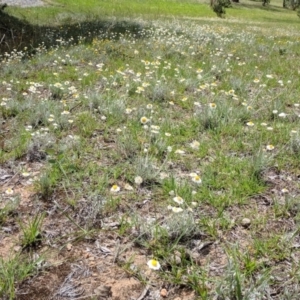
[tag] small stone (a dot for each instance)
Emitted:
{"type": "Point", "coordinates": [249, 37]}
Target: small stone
{"type": "Point", "coordinates": [103, 291]}
{"type": "Point", "coordinates": [177, 258]}
{"type": "Point", "coordinates": [246, 222]}
{"type": "Point", "coordinates": [164, 293]}
{"type": "Point", "coordinates": [195, 255]}
{"type": "Point", "coordinates": [69, 247]}
{"type": "Point", "coordinates": [17, 248]}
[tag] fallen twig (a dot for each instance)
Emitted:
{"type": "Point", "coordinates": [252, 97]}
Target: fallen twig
{"type": "Point", "coordinates": [144, 293]}
{"type": "Point", "coordinates": [2, 38]}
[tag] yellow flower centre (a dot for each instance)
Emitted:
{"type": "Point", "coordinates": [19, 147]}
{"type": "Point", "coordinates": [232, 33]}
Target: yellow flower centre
{"type": "Point", "coordinates": [154, 263]}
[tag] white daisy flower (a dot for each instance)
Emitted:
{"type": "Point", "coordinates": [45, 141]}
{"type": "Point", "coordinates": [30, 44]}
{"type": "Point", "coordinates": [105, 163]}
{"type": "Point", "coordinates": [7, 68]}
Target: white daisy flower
{"type": "Point", "coordinates": [176, 209]}
{"type": "Point", "coordinates": [153, 264]}
{"type": "Point", "coordinates": [9, 191]}
{"type": "Point", "coordinates": [115, 188]}
{"type": "Point", "coordinates": [197, 179]}
{"type": "Point", "coordinates": [179, 151]}
{"type": "Point", "coordinates": [178, 200]}
{"type": "Point", "coordinates": [144, 120]}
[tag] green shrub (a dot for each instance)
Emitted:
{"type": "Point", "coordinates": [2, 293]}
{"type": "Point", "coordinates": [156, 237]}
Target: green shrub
{"type": "Point", "coordinates": [219, 6]}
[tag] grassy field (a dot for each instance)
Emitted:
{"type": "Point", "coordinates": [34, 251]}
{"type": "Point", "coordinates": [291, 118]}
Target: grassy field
{"type": "Point", "coordinates": [150, 150]}
{"type": "Point", "coordinates": [60, 11]}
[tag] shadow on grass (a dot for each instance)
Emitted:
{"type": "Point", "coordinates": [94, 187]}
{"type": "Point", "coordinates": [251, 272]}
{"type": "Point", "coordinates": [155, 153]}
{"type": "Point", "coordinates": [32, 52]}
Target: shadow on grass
{"type": "Point", "coordinates": [16, 34]}
{"type": "Point", "coordinates": [259, 6]}
{"type": "Point", "coordinates": [286, 21]}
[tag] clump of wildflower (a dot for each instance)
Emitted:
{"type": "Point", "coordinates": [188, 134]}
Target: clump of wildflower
{"type": "Point", "coordinates": [153, 264]}
{"type": "Point", "coordinates": [175, 209]}
{"type": "Point", "coordinates": [163, 175]}
{"type": "Point", "coordinates": [282, 115]}
{"type": "Point", "coordinates": [195, 145]}
{"type": "Point", "coordinates": [26, 174]}
{"type": "Point", "coordinates": [250, 124]}
{"type": "Point", "coordinates": [212, 105]}
{"type": "Point", "coordinates": [138, 180]}
{"type": "Point", "coordinates": [179, 151]}
{"type": "Point", "coordinates": [128, 187]}
{"type": "Point", "coordinates": [51, 118]}
{"type": "Point", "coordinates": [171, 193]}
{"type": "Point", "coordinates": [145, 84]}
{"type": "Point", "coordinates": [270, 147]}
{"type": "Point", "coordinates": [140, 89]}
{"type": "Point", "coordinates": [155, 127]}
